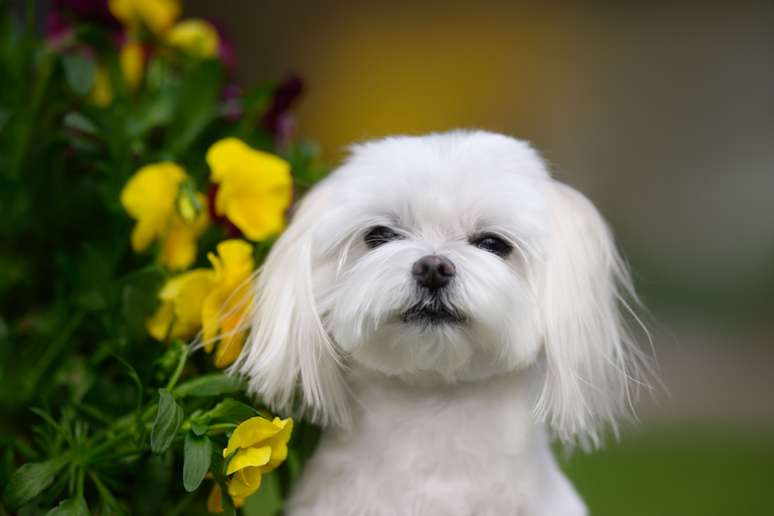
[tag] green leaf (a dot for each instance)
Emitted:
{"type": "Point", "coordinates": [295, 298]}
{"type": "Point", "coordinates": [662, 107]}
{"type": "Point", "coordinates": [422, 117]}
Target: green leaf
{"type": "Point", "coordinates": [78, 122]}
{"type": "Point", "coordinates": [132, 372]}
{"type": "Point", "coordinates": [79, 73]}
{"type": "Point", "coordinates": [70, 507]}
{"type": "Point", "coordinates": [215, 384]}
{"type": "Point", "coordinates": [30, 480]}
{"type": "Point", "coordinates": [231, 411]}
{"type": "Point", "coordinates": [197, 104]}
{"type": "Point", "coordinates": [199, 428]}
{"type": "Point", "coordinates": [196, 460]}
{"type": "Point", "coordinates": [167, 422]}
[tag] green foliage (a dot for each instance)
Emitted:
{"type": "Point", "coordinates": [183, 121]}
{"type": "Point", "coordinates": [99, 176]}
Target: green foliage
{"type": "Point", "coordinates": [92, 410]}
{"type": "Point", "coordinates": [30, 480]}
{"type": "Point", "coordinates": [196, 461]}
{"type": "Point", "coordinates": [169, 417]}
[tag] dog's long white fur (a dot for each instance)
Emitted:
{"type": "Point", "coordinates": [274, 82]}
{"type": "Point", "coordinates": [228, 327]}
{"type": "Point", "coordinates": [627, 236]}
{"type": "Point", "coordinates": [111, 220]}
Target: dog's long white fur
{"type": "Point", "coordinates": [453, 418]}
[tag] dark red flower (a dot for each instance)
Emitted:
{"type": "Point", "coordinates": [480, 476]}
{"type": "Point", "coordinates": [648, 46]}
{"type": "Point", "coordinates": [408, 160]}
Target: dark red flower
{"type": "Point", "coordinates": [95, 11]}
{"type": "Point", "coordinates": [226, 51]}
{"type": "Point", "coordinates": [277, 120]}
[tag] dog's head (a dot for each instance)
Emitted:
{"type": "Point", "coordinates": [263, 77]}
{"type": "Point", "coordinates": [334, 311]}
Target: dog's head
{"type": "Point", "coordinates": [452, 256]}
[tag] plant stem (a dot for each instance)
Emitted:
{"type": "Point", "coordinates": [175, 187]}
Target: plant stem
{"type": "Point", "coordinates": [81, 478]}
{"type": "Point", "coordinates": [178, 369]}
{"type": "Point", "coordinates": [220, 426]}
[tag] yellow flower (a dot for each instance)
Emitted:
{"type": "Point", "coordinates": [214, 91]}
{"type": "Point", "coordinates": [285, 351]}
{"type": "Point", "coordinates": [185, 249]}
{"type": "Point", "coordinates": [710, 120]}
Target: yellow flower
{"type": "Point", "coordinates": [149, 197]}
{"type": "Point", "coordinates": [180, 313]}
{"type": "Point", "coordinates": [101, 92]}
{"type": "Point", "coordinates": [132, 61]}
{"type": "Point", "coordinates": [227, 304]}
{"type": "Point", "coordinates": [258, 447]}
{"type": "Point", "coordinates": [196, 37]}
{"type": "Point", "coordinates": [255, 187]}
{"type": "Point", "coordinates": [156, 15]}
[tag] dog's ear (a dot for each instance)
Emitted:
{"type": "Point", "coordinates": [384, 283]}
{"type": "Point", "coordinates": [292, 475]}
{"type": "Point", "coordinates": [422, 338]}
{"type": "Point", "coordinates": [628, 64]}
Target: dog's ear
{"type": "Point", "coordinates": [591, 360]}
{"type": "Point", "coordinates": [289, 359]}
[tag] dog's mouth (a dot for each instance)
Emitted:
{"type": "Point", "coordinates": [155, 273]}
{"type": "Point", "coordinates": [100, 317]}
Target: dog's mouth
{"type": "Point", "coordinates": [433, 313]}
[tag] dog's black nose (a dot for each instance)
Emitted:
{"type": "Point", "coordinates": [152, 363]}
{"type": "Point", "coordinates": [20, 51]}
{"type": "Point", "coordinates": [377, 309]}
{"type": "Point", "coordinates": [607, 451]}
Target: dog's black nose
{"type": "Point", "coordinates": [433, 271]}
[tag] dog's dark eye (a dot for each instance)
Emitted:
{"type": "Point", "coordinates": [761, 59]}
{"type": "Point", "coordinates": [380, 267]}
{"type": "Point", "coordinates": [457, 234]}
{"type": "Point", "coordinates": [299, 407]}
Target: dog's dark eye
{"type": "Point", "coordinates": [379, 235]}
{"type": "Point", "coordinates": [492, 244]}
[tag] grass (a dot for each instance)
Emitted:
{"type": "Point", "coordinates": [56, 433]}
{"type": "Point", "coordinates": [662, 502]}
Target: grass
{"type": "Point", "coordinates": [680, 471]}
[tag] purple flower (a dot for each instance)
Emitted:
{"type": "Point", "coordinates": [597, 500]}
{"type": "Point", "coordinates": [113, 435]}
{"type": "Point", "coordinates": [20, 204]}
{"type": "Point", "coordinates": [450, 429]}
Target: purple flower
{"type": "Point", "coordinates": [86, 10]}
{"type": "Point", "coordinates": [226, 51]}
{"type": "Point", "coordinates": [232, 102]}
{"type": "Point", "coordinates": [65, 14]}
{"type": "Point", "coordinates": [277, 120]}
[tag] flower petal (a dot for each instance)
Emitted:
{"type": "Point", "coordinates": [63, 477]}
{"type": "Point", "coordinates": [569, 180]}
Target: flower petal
{"type": "Point", "coordinates": [224, 155]}
{"type": "Point", "coordinates": [258, 220]}
{"type": "Point", "coordinates": [179, 248]}
{"type": "Point", "coordinates": [279, 444]}
{"type": "Point", "coordinates": [149, 197]}
{"type": "Point", "coordinates": [158, 324]}
{"type": "Point", "coordinates": [244, 483]}
{"type": "Point", "coordinates": [236, 258]}
{"type": "Point", "coordinates": [132, 61]}
{"type": "Point", "coordinates": [249, 457]}
{"type": "Point", "coordinates": [188, 304]}
{"type": "Point", "coordinates": [181, 299]}
{"type": "Point", "coordinates": [102, 92]}
{"type": "Point", "coordinates": [196, 37]}
{"type": "Point", "coordinates": [229, 349]}
{"type": "Point", "coordinates": [145, 231]}
{"type": "Point", "coordinates": [251, 432]}
{"type": "Point", "coordinates": [157, 15]}
{"type": "Point", "coordinates": [255, 187]}
{"type": "Point", "coordinates": [211, 310]}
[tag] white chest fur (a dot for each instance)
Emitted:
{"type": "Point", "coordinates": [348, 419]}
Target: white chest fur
{"type": "Point", "coordinates": [471, 449]}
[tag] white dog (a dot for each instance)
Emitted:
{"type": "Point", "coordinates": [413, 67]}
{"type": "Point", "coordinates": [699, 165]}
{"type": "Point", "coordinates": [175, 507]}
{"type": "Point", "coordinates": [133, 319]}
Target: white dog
{"type": "Point", "coordinates": [443, 308]}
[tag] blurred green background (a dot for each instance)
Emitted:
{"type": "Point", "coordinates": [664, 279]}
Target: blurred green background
{"type": "Point", "coordinates": [663, 114]}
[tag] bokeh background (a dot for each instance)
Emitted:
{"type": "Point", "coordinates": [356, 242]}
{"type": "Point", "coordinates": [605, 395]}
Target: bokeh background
{"type": "Point", "coordinates": [663, 114]}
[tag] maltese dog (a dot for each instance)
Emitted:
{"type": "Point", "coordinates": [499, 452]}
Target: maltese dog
{"type": "Point", "coordinates": [444, 309]}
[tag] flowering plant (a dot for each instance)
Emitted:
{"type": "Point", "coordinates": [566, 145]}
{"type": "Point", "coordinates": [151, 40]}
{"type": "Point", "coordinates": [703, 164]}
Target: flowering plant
{"type": "Point", "coordinates": [141, 189]}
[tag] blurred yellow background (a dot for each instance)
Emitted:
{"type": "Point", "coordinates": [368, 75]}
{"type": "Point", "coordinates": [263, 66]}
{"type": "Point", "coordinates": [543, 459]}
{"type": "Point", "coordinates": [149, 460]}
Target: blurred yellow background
{"type": "Point", "coordinates": [663, 114]}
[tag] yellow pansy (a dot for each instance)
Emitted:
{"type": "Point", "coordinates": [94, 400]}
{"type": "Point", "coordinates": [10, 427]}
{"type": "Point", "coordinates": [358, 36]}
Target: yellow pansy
{"type": "Point", "coordinates": [196, 37]}
{"type": "Point", "coordinates": [255, 188]}
{"type": "Point", "coordinates": [132, 61]}
{"type": "Point", "coordinates": [156, 15]}
{"type": "Point", "coordinates": [227, 304]}
{"type": "Point", "coordinates": [101, 92]}
{"type": "Point", "coordinates": [258, 447]}
{"type": "Point", "coordinates": [149, 197]}
{"type": "Point", "coordinates": [180, 313]}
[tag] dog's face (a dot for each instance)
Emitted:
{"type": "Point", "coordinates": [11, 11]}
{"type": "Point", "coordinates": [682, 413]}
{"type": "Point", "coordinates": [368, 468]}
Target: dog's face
{"type": "Point", "coordinates": [428, 253]}
{"type": "Point", "coordinates": [454, 257]}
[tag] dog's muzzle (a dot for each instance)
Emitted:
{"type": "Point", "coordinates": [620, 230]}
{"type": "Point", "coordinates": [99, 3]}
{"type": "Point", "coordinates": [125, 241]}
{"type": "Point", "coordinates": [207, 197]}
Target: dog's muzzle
{"type": "Point", "coordinates": [433, 312]}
